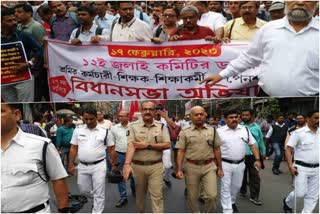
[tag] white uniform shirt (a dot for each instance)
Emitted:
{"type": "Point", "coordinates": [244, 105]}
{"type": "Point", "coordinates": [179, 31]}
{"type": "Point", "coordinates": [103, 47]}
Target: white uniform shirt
{"type": "Point", "coordinates": [90, 143]}
{"type": "Point", "coordinates": [289, 61]}
{"type": "Point", "coordinates": [119, 137]}
{"type": "Point", "coordinates": [134, 31]}
{"type": "Point", "coordinates": [21, 186]}
{"type": "Point", "coordinates": [212, 20]}
{"type": "Point", "coordinates": [233, 145]}
{"type": "Point", "coordinates": [86, 37]}
{"type": "Point", "coordinates": [106, 124]}
{"type": "Point", "coordinates": [305, 144]}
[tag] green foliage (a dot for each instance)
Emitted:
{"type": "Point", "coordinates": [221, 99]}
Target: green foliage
{"type": "Point", "coordinates": [271, 107]}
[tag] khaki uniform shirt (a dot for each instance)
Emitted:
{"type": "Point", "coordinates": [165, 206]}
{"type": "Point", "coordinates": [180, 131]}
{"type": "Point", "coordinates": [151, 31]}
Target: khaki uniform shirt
{"type": "Point", "coordinates": [196, 142]}
{"type": "Point", "coordinates": [157, 133]}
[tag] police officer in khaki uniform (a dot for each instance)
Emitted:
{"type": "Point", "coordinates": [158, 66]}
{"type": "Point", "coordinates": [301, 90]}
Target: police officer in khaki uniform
{"type": "Point", "coordinates": [200, 144]}
{"type": "Point", "coordinates": [147, 139]}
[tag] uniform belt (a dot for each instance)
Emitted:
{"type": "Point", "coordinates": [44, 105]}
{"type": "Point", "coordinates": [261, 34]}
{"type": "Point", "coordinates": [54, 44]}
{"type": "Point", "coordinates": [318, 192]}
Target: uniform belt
{"type": "Point", "coordinates": [91, 163]}
{"type": "Point", "coordinates": [121, 153]}
{"type": "Point", "coordinates": [232, 161]}
{"type": "Point", "coordinates": [200, 162]}
{"type": "Point", "coordinates": [315, 165]}
{"type": "Point", "coordinates": [37, 208]}
{"type": "Point", "coordinates": [146, 163]}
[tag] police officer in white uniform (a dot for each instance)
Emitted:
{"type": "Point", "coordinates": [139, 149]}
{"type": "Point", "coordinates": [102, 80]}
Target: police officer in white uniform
{"type": "Point", "coordinates": [24, 186]}
{"type": "Point", "coordinates": [89, 142]}
{"type": "Point", "coordinates": [305, 144]}
{"type": "Point", "coordinates": [234, 138]}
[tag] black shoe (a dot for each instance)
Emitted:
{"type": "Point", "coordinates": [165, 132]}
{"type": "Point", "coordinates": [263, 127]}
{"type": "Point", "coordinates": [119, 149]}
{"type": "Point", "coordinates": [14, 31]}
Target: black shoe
{"type": "Point", "coordinates": [235, 208]}
{"type": "Point", "coordinates": [133, 193]}
{"type": "Point", "coordinates": [168, 183]}
{"type": "Point", "coordinates": [286, 209]}
{"type": "Point", "coordinates": [201, 200]}
{"type": "Point", "coordinates": [280, 172]}
{"type": "Point", "coordinates": [122, 202]}
{"type": "Point", "coordinates": [185, 192]}
{"type": "Point", "coordinates": [275, 171]}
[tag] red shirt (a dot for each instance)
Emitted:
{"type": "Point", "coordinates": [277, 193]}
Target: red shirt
{"type": "Point", "coordinates": [46, 26]}
{"type": "Point", "coordinates": [201, 33]}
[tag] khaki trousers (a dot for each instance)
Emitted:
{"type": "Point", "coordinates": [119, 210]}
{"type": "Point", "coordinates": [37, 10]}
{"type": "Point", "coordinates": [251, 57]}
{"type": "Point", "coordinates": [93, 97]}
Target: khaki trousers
{"type": "Point", "coordinates": [206, 175]}
{"type": "Point", "coordinates": [149, 178]}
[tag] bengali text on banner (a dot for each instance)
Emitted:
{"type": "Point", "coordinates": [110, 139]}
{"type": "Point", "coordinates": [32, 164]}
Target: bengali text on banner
{"type": "Point", "coordinates": [140, 71]}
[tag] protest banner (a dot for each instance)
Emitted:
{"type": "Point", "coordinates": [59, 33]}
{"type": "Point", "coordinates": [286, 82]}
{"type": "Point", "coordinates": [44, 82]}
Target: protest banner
{"type": "Point", "coordinates": [11, 54]}
{"type": "Point", "coordinates": [139, 71]}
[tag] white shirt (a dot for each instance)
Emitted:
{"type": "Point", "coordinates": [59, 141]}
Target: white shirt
{"type": "Point", "coordinates": [270, 131]}
{"type": "Point", "coordinates": [105, 22]}
{"type": "Point", "coordinates": [86, 37]}
{"type": "Point", "coordinates": [289, 61]}
{"type": "Point", "coordinates": [305, 144]}
{"type": "Point", "coordinates": [233, 145]}
{"type": "Point", "coordinates": [212, 20]}
{"type": "Point", "coordinates": [134, 31]}
{"type": "Point", "coordinates": [119, 137]}
{"type": "Point", "coordinates": [90, 143]}
{"type": "Point", "coordinates": [106, 124]}
{"type": "Point", "coordinates": [21, 186]}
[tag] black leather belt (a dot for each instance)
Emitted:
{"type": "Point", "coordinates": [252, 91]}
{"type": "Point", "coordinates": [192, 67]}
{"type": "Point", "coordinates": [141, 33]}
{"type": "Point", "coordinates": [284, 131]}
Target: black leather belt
{"type": "Point", "coordinates": [146, 163]}
{"type": "Point", "coordinates": [232, 161]}
{"type": "Point", "coordinates": [315, 165]}
{"type": "Point", "coordinates": [121, 153]}
{"type": "Point", "coordinates": [37, 208]}
{"type": "Point", "coordinates": [92, 163]}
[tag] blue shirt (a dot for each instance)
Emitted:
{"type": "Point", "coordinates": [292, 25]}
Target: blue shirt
{"type": "Point", "coordinates": [256, 132]}
{"type": "Point", "coordinates": [31, 46]}
{"type": "Point", "coordinates": [105, 22]}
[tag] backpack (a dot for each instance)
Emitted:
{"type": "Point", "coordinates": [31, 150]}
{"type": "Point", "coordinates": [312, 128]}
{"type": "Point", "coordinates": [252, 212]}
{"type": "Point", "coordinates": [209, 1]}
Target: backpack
{"type": "Point", "coordinates": [98, 32]}
{"type": "Point", "coordinates": [74, 18]}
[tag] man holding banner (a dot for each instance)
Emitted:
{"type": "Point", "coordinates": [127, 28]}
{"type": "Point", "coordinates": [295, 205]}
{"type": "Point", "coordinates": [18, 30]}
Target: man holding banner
{"type": "Point", "coordinates": [17, 84]}
{"type": "Point", "coordinates": [289, 61]}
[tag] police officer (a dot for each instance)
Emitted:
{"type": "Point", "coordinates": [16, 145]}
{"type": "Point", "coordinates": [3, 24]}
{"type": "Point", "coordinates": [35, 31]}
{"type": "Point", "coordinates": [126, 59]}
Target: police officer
{"type": "Point", "coordinates": [234, 139]}
{"type": "Point", "coordinates": [305, 144]}
{"type": "Point", "coordinates": [24, 186]}
{"type": "Point", "coordinates": [147, 139]}
{"type": "Point", "coordinates": [200, 144]}
{"type": "Point", "coordinates": [90, 142]}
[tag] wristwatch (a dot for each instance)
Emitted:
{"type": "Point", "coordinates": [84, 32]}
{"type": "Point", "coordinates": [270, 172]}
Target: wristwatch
{"type": "Point", "coordinates": [149, 147]}
{"type": "Point", "coordinates": [30, 63]}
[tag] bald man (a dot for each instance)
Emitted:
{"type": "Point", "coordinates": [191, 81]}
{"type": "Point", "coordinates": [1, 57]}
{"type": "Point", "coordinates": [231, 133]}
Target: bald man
{"type": "Point", "coordinates": [200, 144]}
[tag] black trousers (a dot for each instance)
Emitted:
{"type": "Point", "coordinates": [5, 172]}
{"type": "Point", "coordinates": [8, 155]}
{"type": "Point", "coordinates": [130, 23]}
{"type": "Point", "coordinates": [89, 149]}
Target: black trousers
{"type": "Point", "coordinates": [254, 178]}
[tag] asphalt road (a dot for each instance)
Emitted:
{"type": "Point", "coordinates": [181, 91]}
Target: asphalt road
{"type": "Point", "coordinates": [273, 189]}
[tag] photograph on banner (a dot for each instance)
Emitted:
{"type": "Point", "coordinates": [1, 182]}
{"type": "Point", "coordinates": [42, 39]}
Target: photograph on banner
{"type": "Point", "coordinates": [13, 54]}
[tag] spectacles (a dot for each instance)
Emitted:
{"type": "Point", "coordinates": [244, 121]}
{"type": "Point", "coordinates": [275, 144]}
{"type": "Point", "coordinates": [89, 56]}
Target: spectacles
{"type": "Point", "coordinates": [148, 109]}
{"type": "Point", "coordinates": [169, 15]}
